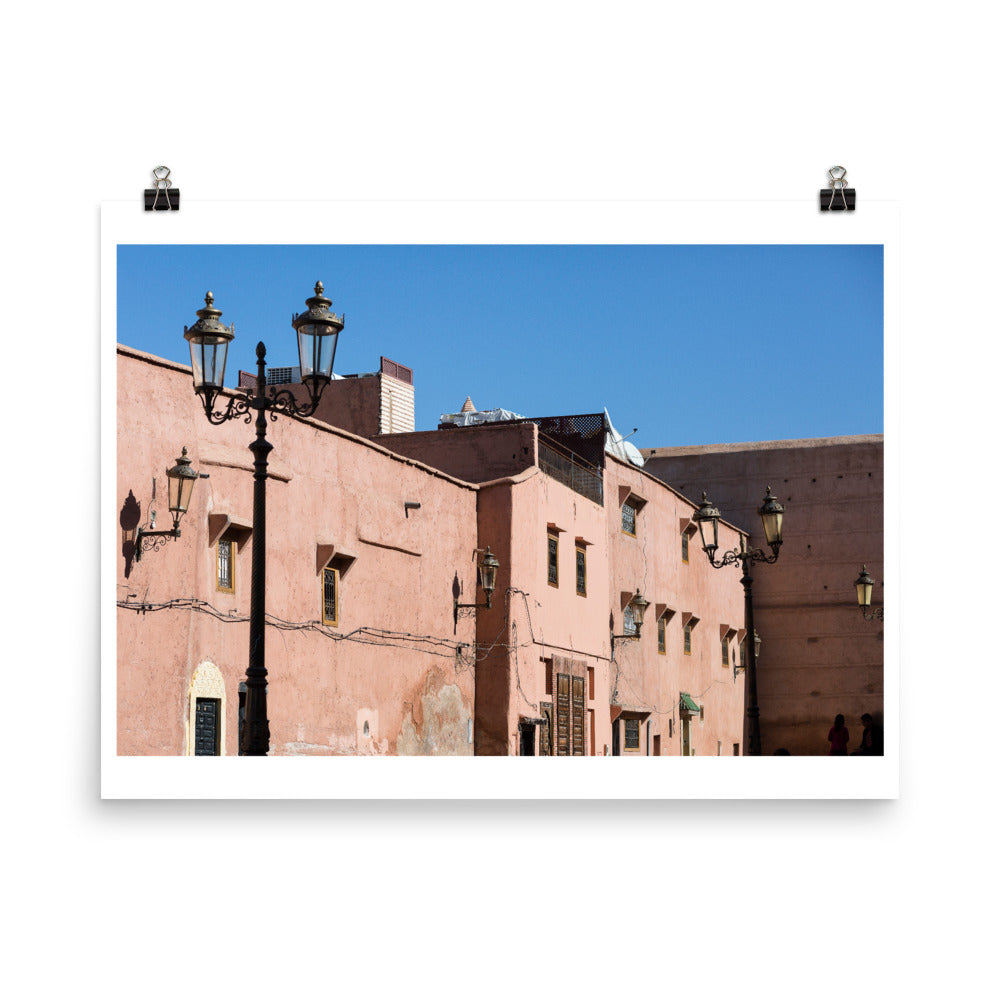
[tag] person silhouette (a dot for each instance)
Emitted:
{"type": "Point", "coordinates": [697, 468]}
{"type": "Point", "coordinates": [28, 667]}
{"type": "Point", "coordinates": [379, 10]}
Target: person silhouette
{"type": "Point", "coordinates": [867, 747]}
{"type": "Point", "coordinates": [838, 737]}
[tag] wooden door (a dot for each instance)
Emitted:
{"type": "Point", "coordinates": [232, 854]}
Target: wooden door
{"type": "Point", "coordinates": [571, 716]}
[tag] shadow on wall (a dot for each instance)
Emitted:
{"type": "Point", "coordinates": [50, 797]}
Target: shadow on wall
{"type": "Point", "coordinates": [128, 520]}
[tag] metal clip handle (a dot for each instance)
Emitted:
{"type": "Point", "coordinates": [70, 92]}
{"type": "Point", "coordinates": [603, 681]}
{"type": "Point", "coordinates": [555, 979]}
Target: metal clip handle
{"type": "Point", "coordinates": [161, 182]}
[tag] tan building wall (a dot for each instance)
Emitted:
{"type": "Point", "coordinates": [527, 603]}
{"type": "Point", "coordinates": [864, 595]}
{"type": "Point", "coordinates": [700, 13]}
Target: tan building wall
{"type": "Point", "coordinates": [819, 657]}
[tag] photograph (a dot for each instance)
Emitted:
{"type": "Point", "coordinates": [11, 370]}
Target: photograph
{"type": "Point", "coordinates": [499, 500]}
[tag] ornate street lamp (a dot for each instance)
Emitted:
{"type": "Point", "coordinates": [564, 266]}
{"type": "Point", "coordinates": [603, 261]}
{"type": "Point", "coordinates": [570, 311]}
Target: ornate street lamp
{"type": "Point", "coordinates": [771, 514]}
{"type": "Point", "coordinates": [317, 330]}
{"type": "Point", "coordinates": [488, 567]}
{"type": "Point", "coordinates": [864, 585]}
{"type": "Point", "coordinates": [180, 482]}
{"type": "Point", "coordinates": [209, 342]}
{"type": "Point", "coordinates": [637, 607]}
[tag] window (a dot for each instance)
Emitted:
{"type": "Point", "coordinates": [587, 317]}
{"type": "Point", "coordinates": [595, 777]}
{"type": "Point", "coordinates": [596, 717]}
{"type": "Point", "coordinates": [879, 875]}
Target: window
{"type": "Point", "coordinates": [553, 560]}
{"type": "Point", "coordinates": [684, 546]}
{"type": "Point", "coordinates": [687, 639]}
{"type": "Point", "coordinates": [628, 517]}
{"type": "Point", "coordinates": [331, 596]}
{"type": "Point", "coordinates": [661, 636]}
{"type": "Point", "coordinates": [736, 749]}
{"type": "Point", "coordinates": [725, 653]}
{"type": "Point", "coordinates": [581, 571]}
{"type": "Point", "coordinates": [225, 577]}
{"type": "Point", "coordinates": [632, 727]}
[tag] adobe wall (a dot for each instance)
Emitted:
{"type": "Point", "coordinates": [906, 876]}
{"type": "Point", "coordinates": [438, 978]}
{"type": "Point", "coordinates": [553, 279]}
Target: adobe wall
{"type": "Point", "coordinates": [545, 629]}
{"type": "Point", "coordinates": [474, 454]}
{"type": "Point", "coordinates": [818, 656]}
{"type": "Point", "coordinates": [352, 404]}
{"type": "Point", "coordinates": [644, 680]}
{"type": "Point", "coordinates": [392, 677]}
{"type": "Point", "coordinates": [549, 629]}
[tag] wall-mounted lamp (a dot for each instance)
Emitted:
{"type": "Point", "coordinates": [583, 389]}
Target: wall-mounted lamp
{"type": "Point", "coordinates": [180, 482]}
{"type": "Point", "coordinates": [637, 608]}
{"type": "Point", "coordinates": [756, 652]}
{"type": "Point", "coordinates": [488, 567]}
{"type": "Point", "coordinates": [864, 585]}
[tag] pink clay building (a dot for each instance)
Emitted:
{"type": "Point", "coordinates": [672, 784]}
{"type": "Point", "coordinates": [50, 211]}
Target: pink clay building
{"type": "Point", "coordinates": [373, 534]}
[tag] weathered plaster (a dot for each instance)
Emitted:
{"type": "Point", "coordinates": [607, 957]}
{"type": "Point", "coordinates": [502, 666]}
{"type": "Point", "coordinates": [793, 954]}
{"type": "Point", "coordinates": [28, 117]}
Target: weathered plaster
{"type": "Point", "coordinates": [438, 724]}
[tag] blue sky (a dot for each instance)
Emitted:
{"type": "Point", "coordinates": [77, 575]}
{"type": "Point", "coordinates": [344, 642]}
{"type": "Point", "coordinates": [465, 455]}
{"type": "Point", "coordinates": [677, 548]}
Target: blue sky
{"type": "Point", "coordinates": [690, 344]}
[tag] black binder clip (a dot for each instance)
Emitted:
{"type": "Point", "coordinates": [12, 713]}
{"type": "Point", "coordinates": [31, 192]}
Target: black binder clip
{"type": "Point", "coordinates": [839, 197]}
{"type": "Point", "coordinates": [163, 197]}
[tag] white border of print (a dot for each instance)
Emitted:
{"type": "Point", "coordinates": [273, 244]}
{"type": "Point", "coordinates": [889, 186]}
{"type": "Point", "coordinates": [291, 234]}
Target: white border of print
{"type": "Point", "coordinates": [788, 222]}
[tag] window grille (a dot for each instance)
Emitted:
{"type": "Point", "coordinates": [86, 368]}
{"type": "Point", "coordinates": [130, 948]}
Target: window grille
{"type": "Point", "coordinates": [581, 572]}
{"type": "Point", "coordinates": [661, 635]}
{"type": "Point", "coordinates": [632, 728]}
{"type": "Point", "coordinates": [284, 376]}
{"type": "Point", "coordinates": [397, 371]}
{"type": "Point", "coordinates": [628, 518]}
{"type": "Point", "coordinates": [554, 560]}
{"type": "Point", "coordinates": [684, 546]}
{"type": "Point", "coordinates": [687, 640]}
{"type": "Point", "coordinates": [331, 580]}
{"type": "Point", "coordinates": [224, 564]}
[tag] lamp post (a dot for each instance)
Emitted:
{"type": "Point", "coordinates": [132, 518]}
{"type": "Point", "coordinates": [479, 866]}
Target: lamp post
{"type": "Point", "coordinates": [771, 514]}
{"type": "Point", "coordinates": [317, 330]}
{"type": "Point", "coordinates": [864, 585]}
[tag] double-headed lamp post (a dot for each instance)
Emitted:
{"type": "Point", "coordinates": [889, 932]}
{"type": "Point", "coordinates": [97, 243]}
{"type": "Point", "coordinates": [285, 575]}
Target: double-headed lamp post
{"type": "Point", "coordinates": [771, 513]}
{"type": "Point", "coordinates": [317, 330]}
